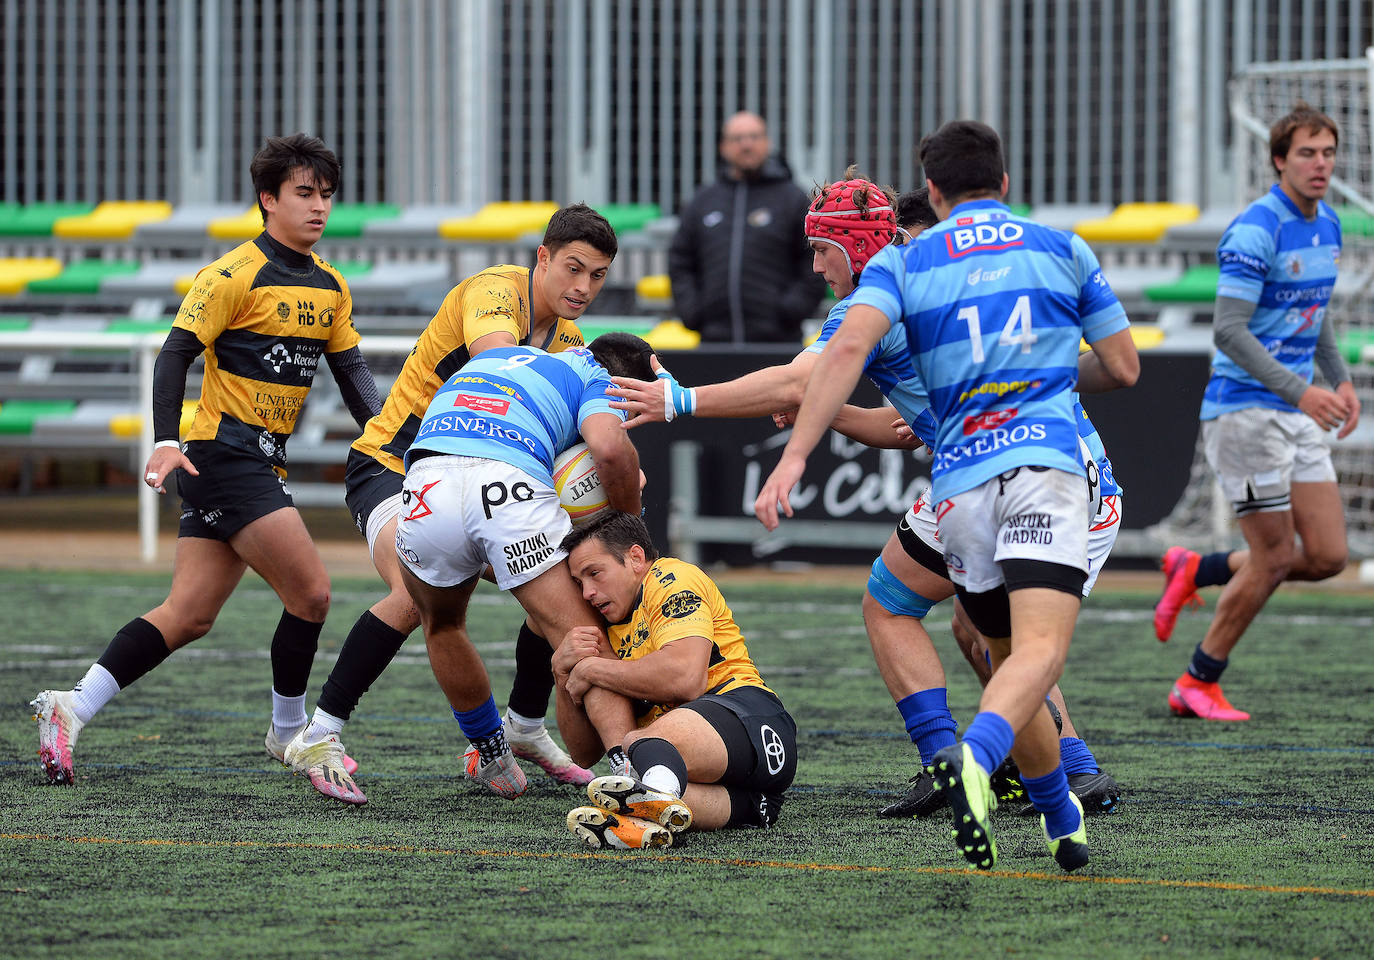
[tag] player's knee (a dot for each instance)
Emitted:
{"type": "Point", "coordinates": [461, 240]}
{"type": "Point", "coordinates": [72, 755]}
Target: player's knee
{"type": "Point", "coordinates": [1325, 565]}
{"type": "Point", "coordinates": [888, 594]}
{"type": "Point", "coordinates": [312, 603]}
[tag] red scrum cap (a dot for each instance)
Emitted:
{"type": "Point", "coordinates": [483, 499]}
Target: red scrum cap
{"type": "Point", "coordinates": [854, 215]}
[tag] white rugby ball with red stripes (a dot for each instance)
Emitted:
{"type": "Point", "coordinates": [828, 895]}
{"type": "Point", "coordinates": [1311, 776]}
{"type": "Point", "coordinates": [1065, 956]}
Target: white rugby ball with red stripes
{"type": "Point", "coordinates": [578, 486]}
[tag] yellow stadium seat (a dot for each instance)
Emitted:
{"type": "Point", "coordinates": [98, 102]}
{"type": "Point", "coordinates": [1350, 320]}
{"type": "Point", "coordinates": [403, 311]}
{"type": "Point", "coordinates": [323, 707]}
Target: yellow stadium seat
{"type": "Point", "coordinates": [17, 272]}
{"type": "Point", "coordinates": [1137, 222]}
{"type": "Point", "coordinates": [503, 221]}
{"type": "Point", "coordinates": [183, 284]}
{"type": "Point", "coordinates": [672, 335]}
{"type": "Point", "coordinates": [1145, 337]}
{"type": "Point", "coordinates": [655, 286]}
{"type": "Point", "coordinates": [245, 226]}
{"type": "Point", "coordinates": [130, 425]}
{"type": "Point", "coordinates": [113, 220]}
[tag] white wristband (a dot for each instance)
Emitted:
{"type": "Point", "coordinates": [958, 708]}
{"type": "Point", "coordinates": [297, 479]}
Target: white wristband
{"type": "Point", "coordinates": [167, 443]}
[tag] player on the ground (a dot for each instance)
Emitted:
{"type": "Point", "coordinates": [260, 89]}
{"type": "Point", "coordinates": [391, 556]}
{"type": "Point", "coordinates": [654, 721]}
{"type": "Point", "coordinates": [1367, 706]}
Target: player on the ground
{"type": "Point", "coordinates": [263, 314]}
{"type": "Point", "coordinates": [847, 223]}
{"type": "Point", "coordinates": [998, 352]}
{"type": "Point", "coordinates": [1262, 416]}
{"type": "Point", "coordinates": [479, 490]}
{"type": "Point", "coordinates": [669, 693]}
{"type": "Point", "coordinates": [501, 306]}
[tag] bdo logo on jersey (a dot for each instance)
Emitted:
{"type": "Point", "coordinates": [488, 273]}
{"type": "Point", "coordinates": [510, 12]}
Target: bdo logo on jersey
{"type": "Point", "coordinates": [980, 237]}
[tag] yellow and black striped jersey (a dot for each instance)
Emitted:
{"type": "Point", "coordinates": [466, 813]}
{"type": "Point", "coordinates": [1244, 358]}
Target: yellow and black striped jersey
{"type": "Point", "coordinates": [678, 600]}
{"type": "Point", "coordinates": [266, 315]}
{"type": "Point", "coordinates": [498, 298]}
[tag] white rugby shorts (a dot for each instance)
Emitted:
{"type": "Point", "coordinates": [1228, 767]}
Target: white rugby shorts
{"type": "Point", "coordinates": [1023, 514]}
{"type": "Point", "coordinates": [1101, 532]}
{"type": "Point", "coordinates": [459, 514]}
{"type": "Point", "coordinates": [1259, 453]}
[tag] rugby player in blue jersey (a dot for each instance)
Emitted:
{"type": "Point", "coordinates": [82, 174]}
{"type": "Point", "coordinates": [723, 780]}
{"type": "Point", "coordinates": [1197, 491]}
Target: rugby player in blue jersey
{"type": "Point", "coordinates": [994, 306]}
{"type": "Point", "coordinates": [847, 223]}
{"type": "Point", "coordinates": [1262, 415]}
{"type": "Point", "coordinates": [479, 490]}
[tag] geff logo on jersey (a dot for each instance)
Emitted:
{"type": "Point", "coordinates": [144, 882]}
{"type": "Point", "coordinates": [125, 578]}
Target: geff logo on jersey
{"type": "Point", "coordinates": [977, 275]}
{"type": "Point", "coordinates": [482, 404]}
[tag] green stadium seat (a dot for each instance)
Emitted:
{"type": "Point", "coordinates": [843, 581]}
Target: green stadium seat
{"type": "Point", "coordinates": [16, 273]}
{"type": "Point", "coordinates": [352, 268]}
{"type": "Point", "coordinates": [129, 325]}
{"type": "Point", "coordinates": [112, 220]}
{"type": "Point", "coordinates": [349, 219]}
{"type": "Point", "coordinates": [83, 276]}
{"type": "Point", "coordinates": [499, 222]}
{"type": "Point", "coordinates": [12, 324]}
{"type": "Point", "coordinates": [629, 217]}
{"type": "Point", "coordinates": [1355, 222]}
{"type": "Point", "coordinates": [19, 416]}
{"type": "Point", "coordinates": [156, 278]}
{"type": "Point", "coordinates": [593, 327]}
{"type": "Point", "coordinates": [1355, 343]}
{"type": "Point", "coordinates": [1197, 285]}
{"type": "Point", "coordinates": [1136, 222]}
{"type": "Point", "coordinates": [37, 219]}
{"type": "Point", "coordinates": [1020, 209]}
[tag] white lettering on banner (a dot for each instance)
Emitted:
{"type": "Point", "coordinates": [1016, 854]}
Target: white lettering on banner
{"type": "Point", "coordinates": [984, 236]}
{"type": "Point", "coordinates": [849, 488]}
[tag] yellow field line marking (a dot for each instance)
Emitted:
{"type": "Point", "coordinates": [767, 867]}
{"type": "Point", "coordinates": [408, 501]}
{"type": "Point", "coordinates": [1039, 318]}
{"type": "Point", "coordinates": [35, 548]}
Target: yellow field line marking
{"type": "Point", "coordinates": [705, 861]}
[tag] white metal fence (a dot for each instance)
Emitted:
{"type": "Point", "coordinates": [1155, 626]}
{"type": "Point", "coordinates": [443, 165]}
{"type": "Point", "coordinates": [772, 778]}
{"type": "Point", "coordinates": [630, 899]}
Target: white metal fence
{"type": "Point", "coordinates": [463, 101]}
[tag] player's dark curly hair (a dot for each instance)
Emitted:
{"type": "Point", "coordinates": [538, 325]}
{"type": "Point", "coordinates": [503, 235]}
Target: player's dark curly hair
{"type": "Point", "coordinates": [577, 221]}
{"type": "Point", "coordinates": [280, 156]}
{"type": "Point", "coordinates": [964, 159]}
{"type": "Point", "coordinates": [914, 210]}
{"type": "Point", "coordinates": [623, 355]}
{"type": "Point", "coordinates": [618, 532]}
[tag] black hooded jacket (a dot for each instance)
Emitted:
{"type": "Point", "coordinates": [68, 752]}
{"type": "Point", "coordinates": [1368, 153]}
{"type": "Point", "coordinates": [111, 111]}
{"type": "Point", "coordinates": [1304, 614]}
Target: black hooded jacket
{"type": "Point", "coordinates": [739, 263]}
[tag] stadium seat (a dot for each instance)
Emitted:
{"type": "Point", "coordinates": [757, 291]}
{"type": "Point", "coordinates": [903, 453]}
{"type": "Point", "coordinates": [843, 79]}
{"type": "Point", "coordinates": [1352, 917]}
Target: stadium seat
{"type": "Point", "coordinates": [130, 325]}
{"type": "Point", "coordinates": [37, 219]}
{"type": "Point", "coordinates": [157, 278]}
{"type": "Point", "coordinates": [1355, 222]}
{"type": "Point", "coordinates": [20, 416]}
{"type": "Point", "coordinates": [1063, 216]}
{"type": "Point", "coordinates": [112, 220]}
{"type": "Point", "coordinates": [654, 288]}
{"type": "Point", "coordinates": [349, 219]}
{"type": "Point", "coordinates": [1136, 222]}
{"type": "Point", "coordinates": [629, 217]}
{"type": "Point", "coordinates": [672, 335]}
{"type": "Point", "coordinates": [130, 425]}
{"type": "Point", "coordinates": [594, 327]}
{"type": "Point", "coordinates": [187, 225]}
{"type": "Point", "coordinates": [1197, 285]}
{"type": "Point", "coordinates": [499, 222]}
{"type": "Point", "coordinates": [17, 272]}
{"type": "Point", "coordinates": [12, 324]}
{"type": "Point", "coordinates": [415, 223]}
{"type": "Point", "coordinates": [83, 276]}
{"type": "Point", "coordinates": [1201, 235]}
{"type": "Point", "coordinates": [245, 226]}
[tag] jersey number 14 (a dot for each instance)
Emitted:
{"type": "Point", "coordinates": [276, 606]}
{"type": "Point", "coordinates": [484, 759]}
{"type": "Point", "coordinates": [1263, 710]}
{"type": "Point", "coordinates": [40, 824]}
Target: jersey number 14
{"type": "Point", "coordinates": [1017, 329]}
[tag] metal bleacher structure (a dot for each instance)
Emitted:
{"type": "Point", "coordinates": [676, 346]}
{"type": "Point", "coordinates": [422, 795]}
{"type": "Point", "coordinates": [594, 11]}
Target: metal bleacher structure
{"type": "Point", "coordinates": [464, 123]}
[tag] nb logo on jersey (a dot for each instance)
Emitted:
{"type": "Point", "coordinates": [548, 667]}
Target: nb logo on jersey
{"type": "Point", "coordinates": [982, 237]}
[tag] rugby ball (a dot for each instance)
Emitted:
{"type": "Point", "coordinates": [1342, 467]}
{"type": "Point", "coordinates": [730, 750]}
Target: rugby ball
{"type": "Point", "coordinates": [578, 486]}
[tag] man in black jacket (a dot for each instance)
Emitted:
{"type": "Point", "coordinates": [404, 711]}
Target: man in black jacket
{"type": "Point", "coordinates": [739, 266]}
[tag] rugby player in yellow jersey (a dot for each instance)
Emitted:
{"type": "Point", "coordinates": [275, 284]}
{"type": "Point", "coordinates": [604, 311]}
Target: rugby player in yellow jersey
{"type": "Point", "coordinates": [501, 306]}
{"type": "Point", "coordinates": [263, 314]}
{"type": "Point", "coordinates": [669, 692]}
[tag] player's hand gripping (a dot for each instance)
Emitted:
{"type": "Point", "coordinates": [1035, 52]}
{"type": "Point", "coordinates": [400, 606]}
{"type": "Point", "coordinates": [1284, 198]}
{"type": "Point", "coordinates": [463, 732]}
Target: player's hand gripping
{"type": "Point", "coordinates": [161, 464]}
{"type": "Point", "coordinates": [659, 401]}
{"type": "Point", "coordinates": [578, 644]}
{"type": "Point", "coordinates": [777, 488]}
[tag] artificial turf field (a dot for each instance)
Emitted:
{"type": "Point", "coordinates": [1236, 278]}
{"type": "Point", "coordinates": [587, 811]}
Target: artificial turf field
{"type": "Point", "coordinates": [182, 838]}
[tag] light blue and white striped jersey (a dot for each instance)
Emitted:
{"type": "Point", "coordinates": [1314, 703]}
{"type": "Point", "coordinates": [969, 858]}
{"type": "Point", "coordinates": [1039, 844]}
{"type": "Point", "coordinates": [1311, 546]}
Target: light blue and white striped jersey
{"type": "Point", "coordinates": [1283, 263]}
{"type": "Point", "coordinates": [1106, 479]}
{"type": "Point", "coordinates": [994, 306]}
{"type": "Point", "coordinates": [889, 367]}
{"type": "Point", "coordinates": [518, 405]}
